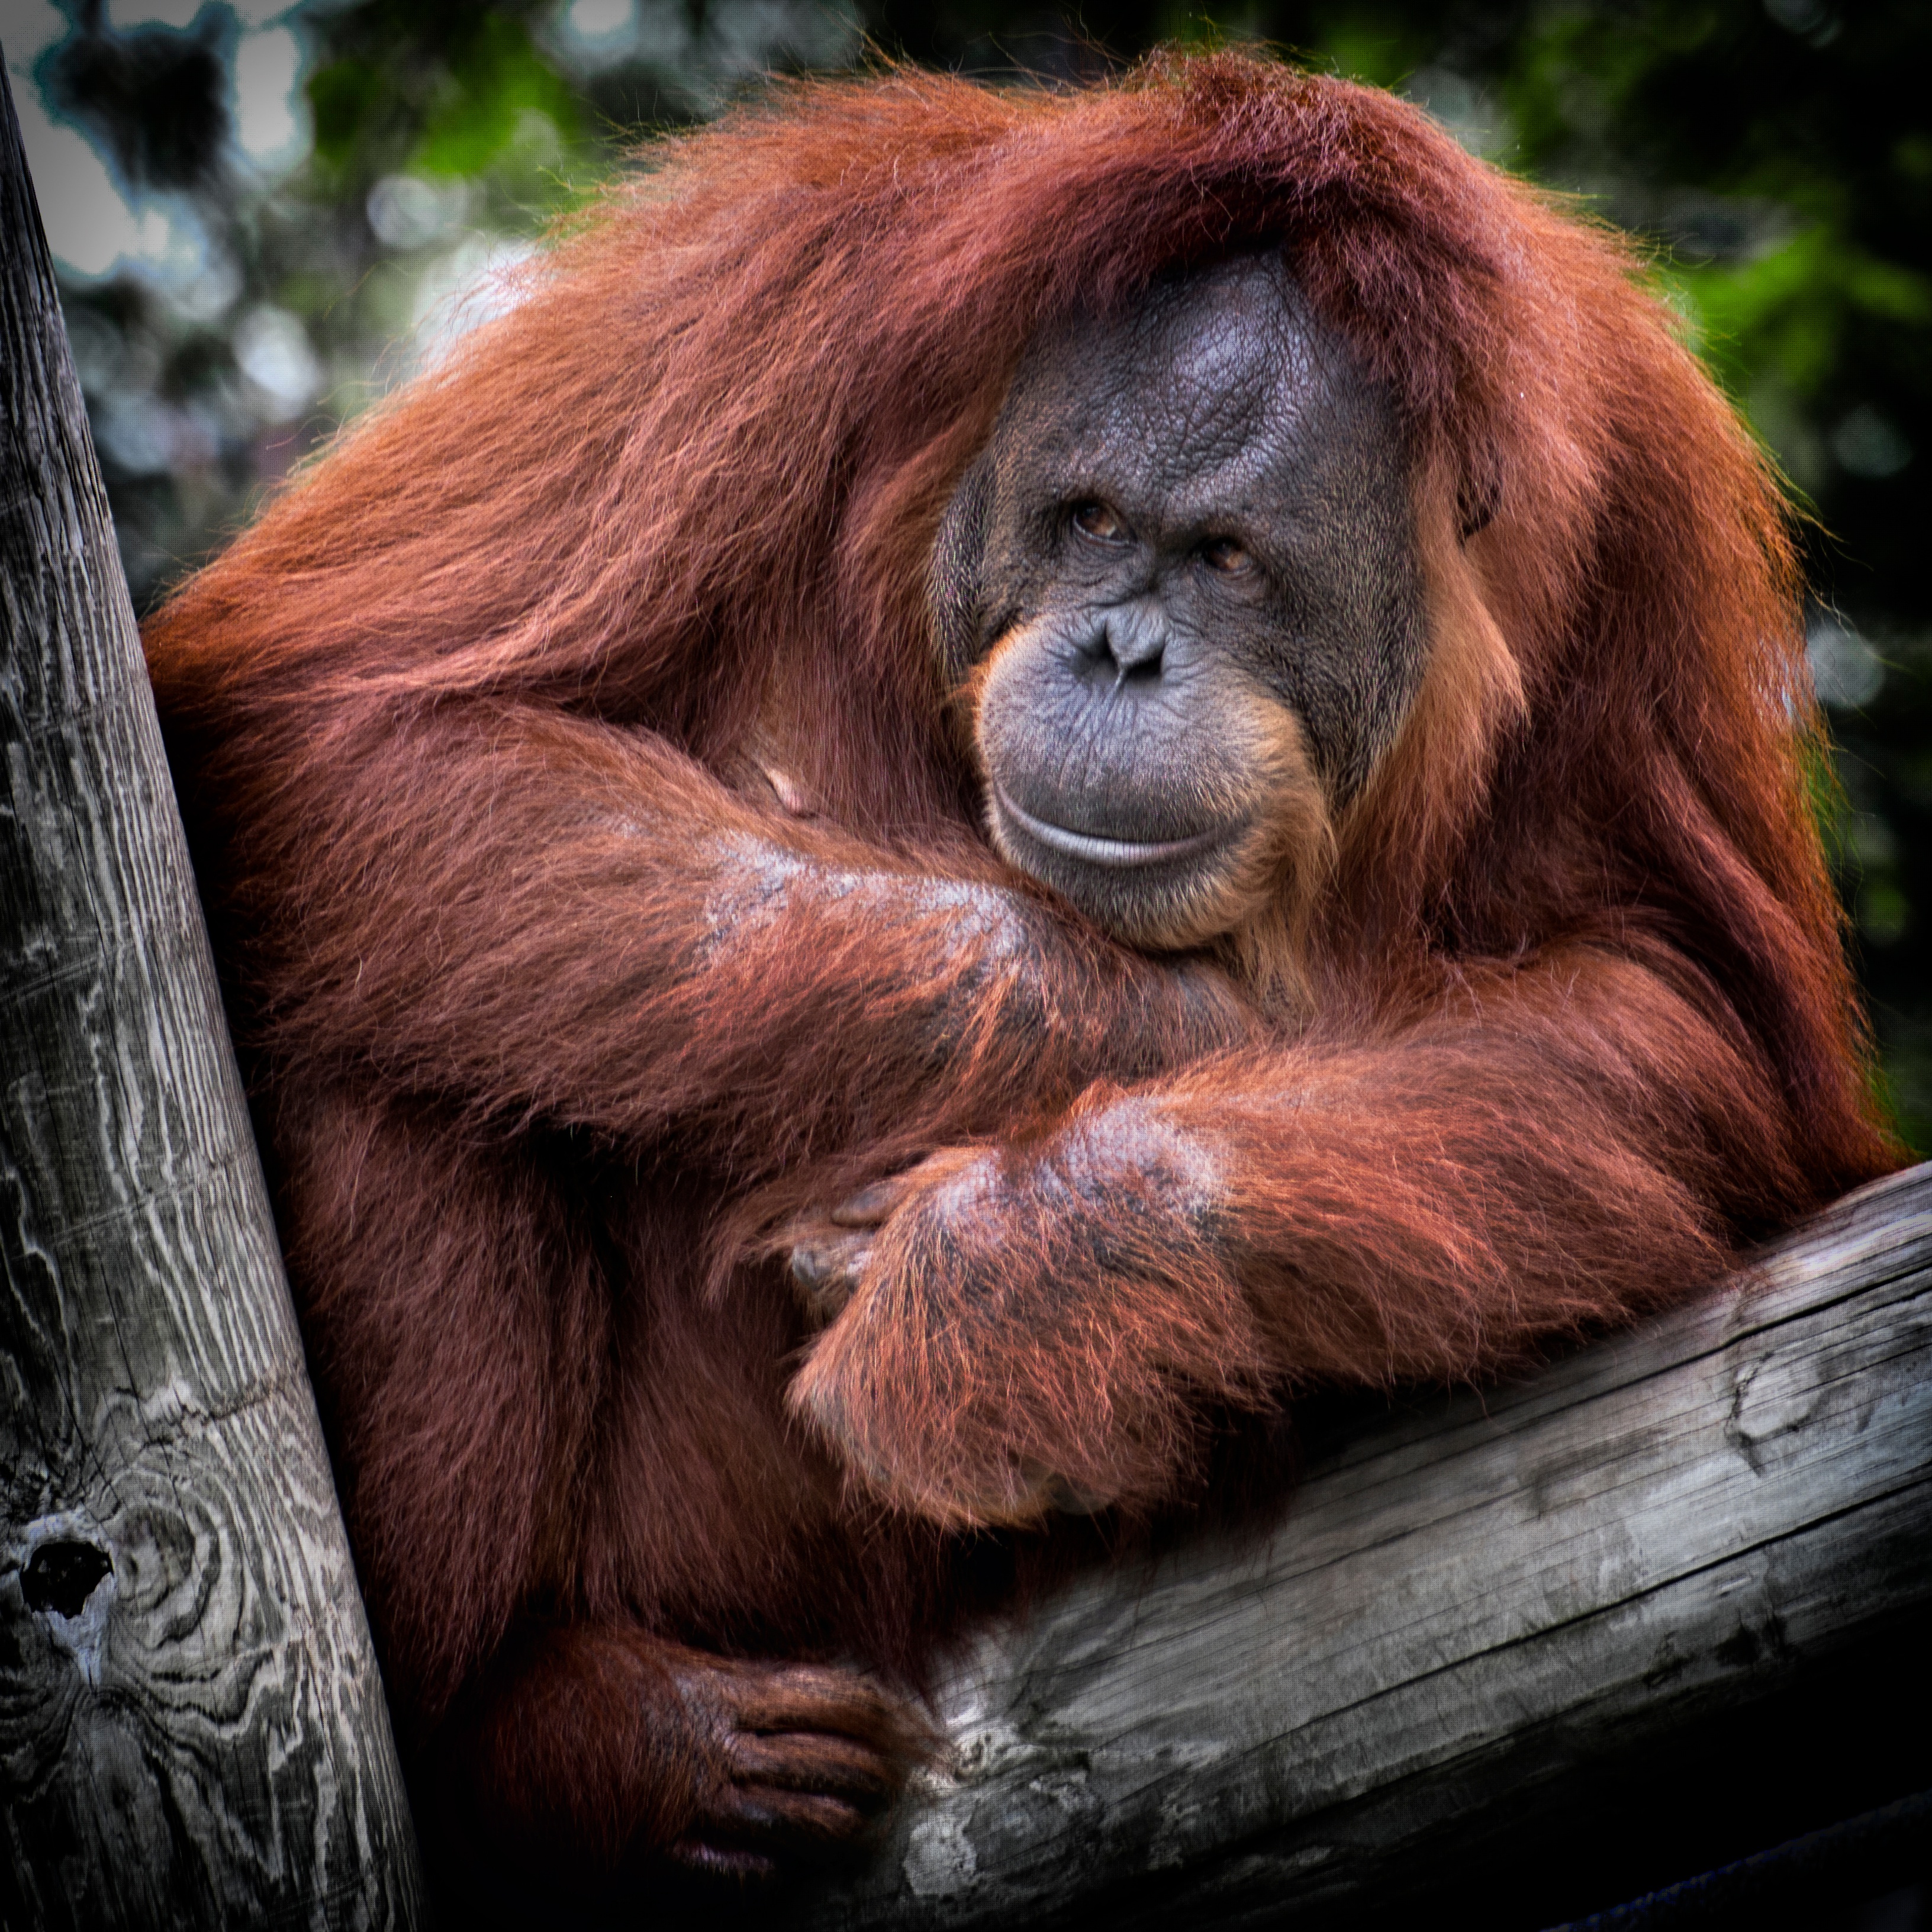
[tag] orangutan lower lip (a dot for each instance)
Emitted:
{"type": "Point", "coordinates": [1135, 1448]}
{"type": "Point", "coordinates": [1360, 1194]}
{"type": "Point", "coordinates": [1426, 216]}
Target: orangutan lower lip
{"type": "Point", "coordinates": [1095, 850]}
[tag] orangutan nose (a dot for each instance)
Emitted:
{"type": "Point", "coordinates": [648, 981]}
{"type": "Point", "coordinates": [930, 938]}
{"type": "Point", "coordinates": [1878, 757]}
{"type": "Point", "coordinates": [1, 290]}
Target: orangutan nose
{"type": "Point", "coordinates": [1128, 643]}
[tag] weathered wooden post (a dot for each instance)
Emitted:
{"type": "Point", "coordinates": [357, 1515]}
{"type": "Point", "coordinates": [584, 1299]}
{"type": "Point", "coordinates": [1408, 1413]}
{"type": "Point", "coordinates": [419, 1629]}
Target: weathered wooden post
{"type": "Point", "coordinates": [192, 1728]}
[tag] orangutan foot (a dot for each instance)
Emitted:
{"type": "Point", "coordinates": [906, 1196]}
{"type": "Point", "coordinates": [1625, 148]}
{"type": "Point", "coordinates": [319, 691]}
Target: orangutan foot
{"type": "Point", "coordinates": [804, 1761]}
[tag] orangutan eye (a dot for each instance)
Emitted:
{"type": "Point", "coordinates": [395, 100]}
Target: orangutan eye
{"type": "Point", "coordinates": [1097, 521]}
{"type": "Point", "coordinates": [1224, 554]}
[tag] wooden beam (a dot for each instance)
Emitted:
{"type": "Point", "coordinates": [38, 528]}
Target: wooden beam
{"type": "Point", "coordinates": [1469, 1606]}
{"type": "Point", "coordinates": [192, 1728]}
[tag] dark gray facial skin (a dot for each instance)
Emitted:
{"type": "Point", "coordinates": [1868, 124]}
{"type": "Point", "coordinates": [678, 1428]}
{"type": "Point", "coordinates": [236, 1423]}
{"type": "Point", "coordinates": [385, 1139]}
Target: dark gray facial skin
{"type": "Point", "coordinates": [1189, 516]}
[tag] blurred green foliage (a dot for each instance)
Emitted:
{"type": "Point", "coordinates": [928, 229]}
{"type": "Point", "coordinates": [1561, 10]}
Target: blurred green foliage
{"type": "Point", "coordinates": [459, 93]}
{"type": "Point", "coordinates": [1776, 155]}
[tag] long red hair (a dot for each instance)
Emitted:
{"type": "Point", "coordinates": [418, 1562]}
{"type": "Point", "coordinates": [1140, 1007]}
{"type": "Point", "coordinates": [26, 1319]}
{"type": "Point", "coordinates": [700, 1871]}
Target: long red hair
{"type": "Point", "coordinates": [705, 455]}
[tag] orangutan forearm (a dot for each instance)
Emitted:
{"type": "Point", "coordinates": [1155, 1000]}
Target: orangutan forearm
{"type": "Point", "coordinates": [583, 925]}
{"type": "Point", "coordinates": [1546, 1157]}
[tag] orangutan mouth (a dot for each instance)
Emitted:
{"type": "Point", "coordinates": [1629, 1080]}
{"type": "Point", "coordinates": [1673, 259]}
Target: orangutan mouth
{"type": "Point", "coordinates": [1093, 849]}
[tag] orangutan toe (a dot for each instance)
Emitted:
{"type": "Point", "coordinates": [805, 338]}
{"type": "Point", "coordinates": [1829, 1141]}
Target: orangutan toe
{"type": "Point", "coordinates": [809, 1759]}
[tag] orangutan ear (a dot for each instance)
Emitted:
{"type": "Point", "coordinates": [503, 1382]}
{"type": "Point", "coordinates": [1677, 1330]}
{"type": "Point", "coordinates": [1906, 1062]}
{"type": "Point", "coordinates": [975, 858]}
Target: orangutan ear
{"type": "Point", "coordinates": [953, 578]}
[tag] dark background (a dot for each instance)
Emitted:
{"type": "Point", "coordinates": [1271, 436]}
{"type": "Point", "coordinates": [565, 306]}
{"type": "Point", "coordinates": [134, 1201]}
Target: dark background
{"type": "Point", "coordinates": [265, 215]}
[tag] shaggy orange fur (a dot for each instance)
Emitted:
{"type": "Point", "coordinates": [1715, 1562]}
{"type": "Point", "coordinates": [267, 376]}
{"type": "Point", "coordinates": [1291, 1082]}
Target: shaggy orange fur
{"type": "Point", "coordinates": [556, 1009]}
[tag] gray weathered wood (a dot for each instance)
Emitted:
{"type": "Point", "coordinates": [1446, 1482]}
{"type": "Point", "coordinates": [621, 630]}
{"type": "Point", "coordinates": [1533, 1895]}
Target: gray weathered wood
{"type": "Point", "coordinates": [192, 1728]}
{"type": "Point", "coordinates": [1460, 1603]}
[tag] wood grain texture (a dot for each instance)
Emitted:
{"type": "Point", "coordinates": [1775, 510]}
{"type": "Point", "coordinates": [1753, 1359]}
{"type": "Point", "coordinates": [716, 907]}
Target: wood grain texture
{"type": "Point", "coordinates": [1462, 1605]}
{"type": "Point", "coordinates": [192, 1727]}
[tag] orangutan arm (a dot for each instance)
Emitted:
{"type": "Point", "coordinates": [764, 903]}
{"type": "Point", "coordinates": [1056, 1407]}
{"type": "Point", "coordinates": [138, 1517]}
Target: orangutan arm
{"type": "Point", "coordinates": [548, 917]}
{"type": "Point", "coordinates": [1543, 1154]}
